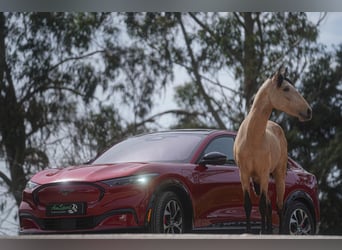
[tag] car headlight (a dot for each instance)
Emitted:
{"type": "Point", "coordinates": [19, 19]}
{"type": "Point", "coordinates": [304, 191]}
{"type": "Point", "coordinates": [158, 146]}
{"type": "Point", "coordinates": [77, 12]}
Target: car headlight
{"type": "Point", "coordinates": [31, 185]}
{"type": "Point", "coordinates": [133, 179]}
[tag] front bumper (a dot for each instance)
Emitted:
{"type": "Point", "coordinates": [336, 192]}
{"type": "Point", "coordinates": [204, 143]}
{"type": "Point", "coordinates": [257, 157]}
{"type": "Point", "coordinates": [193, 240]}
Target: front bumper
{"type": "Point", "coordinates": [122, 219]}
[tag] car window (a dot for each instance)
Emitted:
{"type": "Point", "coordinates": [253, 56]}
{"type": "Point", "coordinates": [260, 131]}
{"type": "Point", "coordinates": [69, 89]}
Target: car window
{"type": "Point", "coordinates": [223, 145]}
{"type": "Point", "coordinates": [163, 147]}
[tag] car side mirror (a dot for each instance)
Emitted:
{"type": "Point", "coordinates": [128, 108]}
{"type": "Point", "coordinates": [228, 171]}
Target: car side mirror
{"type": "Point", "coordinates": [213, 158]}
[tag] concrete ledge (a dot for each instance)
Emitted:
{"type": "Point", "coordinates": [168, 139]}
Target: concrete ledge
{"type": "Point", "coordinates": [166, 242]}
{"type": "Point", "coordinates": [174, 236]}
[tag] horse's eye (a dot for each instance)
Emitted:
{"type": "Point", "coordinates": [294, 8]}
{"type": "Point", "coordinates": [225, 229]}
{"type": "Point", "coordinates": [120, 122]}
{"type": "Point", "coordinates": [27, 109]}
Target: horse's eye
{"type": "Point", "coordinates": [286, 89]}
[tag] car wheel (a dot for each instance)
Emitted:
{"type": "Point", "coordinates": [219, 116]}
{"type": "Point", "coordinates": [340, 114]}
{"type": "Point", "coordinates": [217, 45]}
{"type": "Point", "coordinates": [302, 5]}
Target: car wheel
{"type": "Point", "coordinates": [168, 215]}
{"type": "Point", "coordinates": [298, 220]}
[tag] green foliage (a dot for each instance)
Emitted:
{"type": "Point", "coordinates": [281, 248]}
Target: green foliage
{"type": "Point", "coordinates": [44, 73]}
{"type": "Point", "coordinates": [52, 68]}
{"type": "Point", "coordinates": [186, 97]}
{"type": "Point", "coordinates": [317, 144]}
{"type": "Point", "coordinates": [213, 47]}
{"type": "Point", "coordinates": [253, 45]}
{"type": "Point", "coordinates": [93, 133]}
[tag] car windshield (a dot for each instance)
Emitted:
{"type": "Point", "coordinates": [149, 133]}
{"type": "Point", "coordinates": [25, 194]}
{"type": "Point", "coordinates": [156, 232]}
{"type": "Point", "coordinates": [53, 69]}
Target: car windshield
{"type": "Point", "coordinates": [161, 147]}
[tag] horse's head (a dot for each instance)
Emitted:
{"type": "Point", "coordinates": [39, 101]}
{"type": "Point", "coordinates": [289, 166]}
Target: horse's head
{"type": "Point", "coordinates": [285, 97]}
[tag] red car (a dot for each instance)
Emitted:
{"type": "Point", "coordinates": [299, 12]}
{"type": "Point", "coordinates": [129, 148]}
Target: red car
{"type": "Point", "coordinates": [165, 182]}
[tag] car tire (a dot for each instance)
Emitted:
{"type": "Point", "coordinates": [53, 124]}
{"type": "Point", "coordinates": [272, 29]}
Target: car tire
{"type": "Point", "coordinates": [298, 220]}
{"type": "Point", "coordinates": [168, 215]}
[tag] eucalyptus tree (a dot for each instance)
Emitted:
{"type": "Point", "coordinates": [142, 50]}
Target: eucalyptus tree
{"type": "Point", "coordinates": [317, 144]}
{"type": "Point", "coordinates": [45, 71]}
{"type": "Point", "coordinates": [74, 80]}
{"type": "Point", "coordinates": [227, 55]}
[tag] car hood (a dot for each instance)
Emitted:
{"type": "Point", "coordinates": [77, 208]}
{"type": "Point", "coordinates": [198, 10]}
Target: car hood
{"type": "Point", "coordinates": [89, 173]}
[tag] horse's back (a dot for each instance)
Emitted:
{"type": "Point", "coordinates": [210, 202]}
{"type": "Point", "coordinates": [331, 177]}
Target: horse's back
{"type": "Point", "coordinates": [277, 132]}
{"type": "Point", "coordinates": [275, 128]}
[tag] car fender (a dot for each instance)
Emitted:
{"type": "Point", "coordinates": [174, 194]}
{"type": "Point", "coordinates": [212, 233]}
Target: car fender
{"type": "Point", "coordinates": [303, 197]}
{"type": "Point", "coordinates": [175, 185]}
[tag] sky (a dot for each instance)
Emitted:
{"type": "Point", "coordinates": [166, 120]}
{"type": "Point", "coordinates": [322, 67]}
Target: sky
{"type": "Point", "coordinates": [330, 31]}
{"type": "Point", "coordinates": [330, 35]}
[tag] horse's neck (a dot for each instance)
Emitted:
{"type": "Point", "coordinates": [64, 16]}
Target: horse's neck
{"type": "Point", "coordinates": [258, 116]}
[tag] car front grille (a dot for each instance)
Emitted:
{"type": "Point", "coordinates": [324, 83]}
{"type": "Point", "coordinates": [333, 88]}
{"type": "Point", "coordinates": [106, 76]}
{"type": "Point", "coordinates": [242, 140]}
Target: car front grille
{"type": "Point", "coordinates": [68, 192]}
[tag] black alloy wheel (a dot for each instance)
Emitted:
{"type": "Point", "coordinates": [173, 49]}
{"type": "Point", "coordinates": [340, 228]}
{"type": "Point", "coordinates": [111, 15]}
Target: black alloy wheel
{"type": "Point", "coordinates": [168, 215]}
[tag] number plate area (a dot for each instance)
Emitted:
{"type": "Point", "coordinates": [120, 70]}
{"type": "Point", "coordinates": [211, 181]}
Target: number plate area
{"type": "Point", "coordinates": [74, 208]}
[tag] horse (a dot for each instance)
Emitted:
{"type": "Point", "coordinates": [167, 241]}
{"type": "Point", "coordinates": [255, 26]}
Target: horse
{"type": "Point", "coordinates": [260, 147]}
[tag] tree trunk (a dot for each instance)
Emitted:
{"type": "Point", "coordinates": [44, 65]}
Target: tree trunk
{"type": "Point", "coordinates": [250, 65]}
{"type": "Point", "coordinates": [198, 79]}
{"type": "Point", "coordinates": [12, 127]}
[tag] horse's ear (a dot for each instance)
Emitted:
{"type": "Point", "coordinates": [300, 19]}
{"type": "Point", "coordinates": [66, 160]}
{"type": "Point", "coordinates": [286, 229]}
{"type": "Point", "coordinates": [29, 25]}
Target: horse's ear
{"type": "Point", "coordinates": [279, 76]}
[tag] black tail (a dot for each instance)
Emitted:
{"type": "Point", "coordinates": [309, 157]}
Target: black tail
{"type": "Point", "coordinates": [256, 188]}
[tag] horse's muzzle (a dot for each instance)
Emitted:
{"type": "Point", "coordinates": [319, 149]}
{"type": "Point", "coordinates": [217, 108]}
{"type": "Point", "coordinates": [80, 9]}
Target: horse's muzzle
{"type": "Point", "coordinates": [305, 116]}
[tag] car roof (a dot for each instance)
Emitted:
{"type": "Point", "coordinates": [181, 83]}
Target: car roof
{"type": "Point", "coordinates": [202, 131]}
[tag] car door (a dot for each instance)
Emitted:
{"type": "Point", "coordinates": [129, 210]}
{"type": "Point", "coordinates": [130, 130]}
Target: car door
{"type": "Point", "coordinates": [218, 194]}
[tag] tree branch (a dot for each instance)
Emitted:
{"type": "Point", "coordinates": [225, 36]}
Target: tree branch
{"type": "Point", "coordinates": [5, 179]}
{"type": "Point", "coordinates": [172, 111]}
{"type": "Point", "coordinates": [237, 17]}
{"type": "Point", "coordinates": [321, 18]}
{"type": "Point", "coordinates": [29, 93]}
{"type": "Point", "coordinates": [216, 37]}
{"type": "Point", "coordinates": [76, 58]}
{"type": "Point", "coordinates": [262, 43]}
{"type": "Point", "coordinates": [42, 88]}
{"type": "Point", "coordinates": [295, 44]}
{"type": "Point", "coordinates": [210, 80]}
{"type": "Point", "coordinates": [195, 70]}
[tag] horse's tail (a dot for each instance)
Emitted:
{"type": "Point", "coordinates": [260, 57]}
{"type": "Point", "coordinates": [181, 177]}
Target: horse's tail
{"type": "Point", "coordinates": [256, 188]}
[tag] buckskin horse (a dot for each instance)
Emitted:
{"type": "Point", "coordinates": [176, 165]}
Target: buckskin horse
{"type": "Point", "coordinates": [260, 147]}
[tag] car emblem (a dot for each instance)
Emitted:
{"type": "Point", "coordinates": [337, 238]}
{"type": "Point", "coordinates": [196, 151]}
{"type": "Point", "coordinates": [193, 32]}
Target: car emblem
{"type": "Point", "coordinates": [73, 209]}
{"type": "Point", "coordinates": [65, 192]}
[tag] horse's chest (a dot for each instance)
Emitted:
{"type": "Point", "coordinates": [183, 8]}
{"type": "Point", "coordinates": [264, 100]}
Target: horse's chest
{"type": "Point", "coordinates": [257, 152]}
{"type": "Point", "coordinates": [255, 155]}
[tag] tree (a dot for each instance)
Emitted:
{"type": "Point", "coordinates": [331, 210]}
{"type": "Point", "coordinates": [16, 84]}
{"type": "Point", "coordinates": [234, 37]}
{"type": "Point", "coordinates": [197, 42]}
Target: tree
{"type": "Point", "coordinates": [44, 73]}
{"type": "Point", "coordinates": [215, 47]}
{"type": "Point", "coordinates": [52, 67]}
{"type": "Point", "coordinates": [317, 144]}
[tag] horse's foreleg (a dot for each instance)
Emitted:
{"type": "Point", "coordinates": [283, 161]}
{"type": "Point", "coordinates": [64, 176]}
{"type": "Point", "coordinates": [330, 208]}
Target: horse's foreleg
{"type": "Point", "coordinates": [262, 209]}
{"type": "Point", "coordinates": [269, 217]}
{"type": "Point", "coordinates": [265, 209]}
{"type": "Point", "coordinates": [248, 209]}
{"type": "Point", "coordinates": [280, 189]}
{"type": "Point", "coordinates": [280, 214]}
{"type": "Point", "coordinates": [245, 182]}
